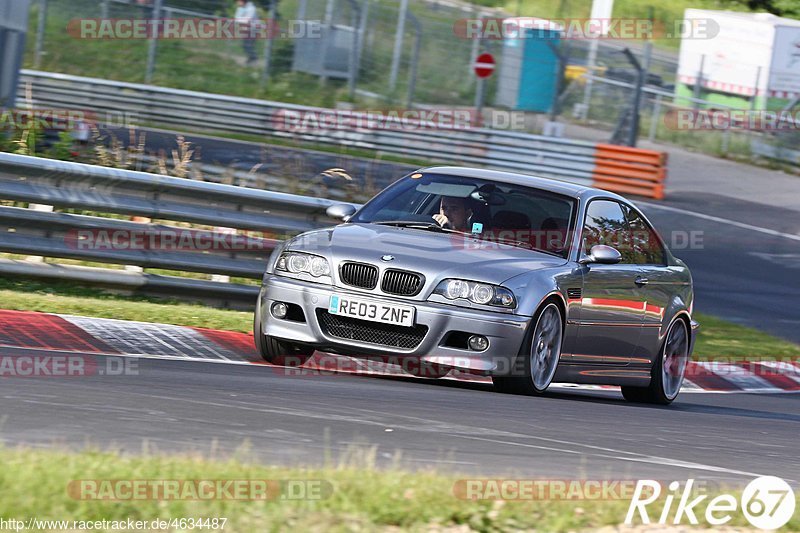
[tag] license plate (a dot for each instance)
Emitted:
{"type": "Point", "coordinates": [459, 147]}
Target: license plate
{"type": "Point", "coordinates": [399, 315]}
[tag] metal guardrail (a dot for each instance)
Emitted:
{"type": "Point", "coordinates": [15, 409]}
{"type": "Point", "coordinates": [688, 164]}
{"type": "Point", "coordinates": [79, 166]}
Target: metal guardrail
{"type": "Point", "coordinates": [779, 153]}
{"type": "Point", "coordinates": [113, 192]}
{"type": "Point", "coordinates": [565, 159]}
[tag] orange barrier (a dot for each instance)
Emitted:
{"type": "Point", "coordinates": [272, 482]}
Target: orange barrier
{"type": "Point", "coordinates": [627, 170]}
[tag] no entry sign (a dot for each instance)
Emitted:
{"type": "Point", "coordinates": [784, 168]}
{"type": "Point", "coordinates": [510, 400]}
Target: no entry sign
{"type": "Point", "coordinates": [484, 65]}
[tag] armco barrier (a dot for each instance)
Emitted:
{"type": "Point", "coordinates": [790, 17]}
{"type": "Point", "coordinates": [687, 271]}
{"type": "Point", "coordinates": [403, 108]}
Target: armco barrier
{"type": "Point", "coordinates": [124, 192]}
{"type": "Point", "coordinates": [625, 170]}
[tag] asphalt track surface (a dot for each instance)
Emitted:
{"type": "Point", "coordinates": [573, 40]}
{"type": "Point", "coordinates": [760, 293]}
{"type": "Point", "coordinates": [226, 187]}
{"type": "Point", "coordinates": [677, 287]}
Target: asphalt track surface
{"type": "Point", "coordinates": [456, 427]}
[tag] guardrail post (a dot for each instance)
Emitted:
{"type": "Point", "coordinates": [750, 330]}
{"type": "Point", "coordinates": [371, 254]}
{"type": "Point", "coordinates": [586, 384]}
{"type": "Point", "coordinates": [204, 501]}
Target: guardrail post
{"type": "Point", "coordinates": [221, 278]}
{"type": "Point", "coordinates": [153, 45]}
{"type": "Point", "coordinates": [45, 209]}
{"type": "Point", "coordinates": [139, 220]}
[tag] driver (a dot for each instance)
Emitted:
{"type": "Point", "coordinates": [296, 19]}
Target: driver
{"type": "Point", "coordinates": [453, 213]}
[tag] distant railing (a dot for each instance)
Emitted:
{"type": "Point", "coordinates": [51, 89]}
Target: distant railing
{"type": "Point", "coordinates": [566, 159]}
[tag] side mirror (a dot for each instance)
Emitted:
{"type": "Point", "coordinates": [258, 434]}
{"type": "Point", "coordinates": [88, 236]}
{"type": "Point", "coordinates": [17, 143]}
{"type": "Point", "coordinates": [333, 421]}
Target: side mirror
{"type": "Point", "coordinates": [341, 211]}
{"type": "Point", "coordinates": [602, 255]}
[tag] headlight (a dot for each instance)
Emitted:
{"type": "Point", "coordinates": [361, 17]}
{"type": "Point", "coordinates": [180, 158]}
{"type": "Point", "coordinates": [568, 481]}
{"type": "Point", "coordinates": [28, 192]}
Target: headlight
{"type": "Point", "coordinates": [302, 263]}
{"type": "Point", "coordinates": [479, 293]}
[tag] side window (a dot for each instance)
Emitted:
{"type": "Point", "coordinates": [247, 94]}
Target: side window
{"type": "Point", "coordinates": [606, 224]}
{"type": "Point", "coordinates": [647, 246]}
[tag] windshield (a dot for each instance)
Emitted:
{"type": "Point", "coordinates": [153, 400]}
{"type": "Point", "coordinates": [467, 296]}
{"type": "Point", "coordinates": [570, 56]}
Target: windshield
{"type": "Point", "coordinates": [487, 210]}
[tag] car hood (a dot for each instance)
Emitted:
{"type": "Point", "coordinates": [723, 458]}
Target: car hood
{"type": "Point", "coordinates": [435, 255]}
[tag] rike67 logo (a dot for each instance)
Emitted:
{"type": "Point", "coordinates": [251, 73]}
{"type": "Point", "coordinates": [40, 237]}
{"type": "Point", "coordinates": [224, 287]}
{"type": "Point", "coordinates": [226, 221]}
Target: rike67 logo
{"type": "Point", "coordinates": [767, 502]}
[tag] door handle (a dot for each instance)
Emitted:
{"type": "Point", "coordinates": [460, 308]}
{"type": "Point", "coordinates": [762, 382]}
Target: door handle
{"type": "Point", "coordinates": [641, 282]}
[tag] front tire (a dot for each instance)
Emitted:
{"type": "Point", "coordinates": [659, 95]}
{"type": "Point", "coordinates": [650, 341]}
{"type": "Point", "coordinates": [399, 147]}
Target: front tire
{"type": "Point", "coordinates": [535, 366]}
{"type": "Point", "coordinates": [276, 351]}
{"type": "Point", "coordinates": [668, 371]}
{"type": "Point", "coordinates": [284, 353]}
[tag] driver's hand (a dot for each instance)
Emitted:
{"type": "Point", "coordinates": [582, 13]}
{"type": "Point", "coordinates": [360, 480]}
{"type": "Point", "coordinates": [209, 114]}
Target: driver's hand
{"type": "Point", "coordinates": [442, 220]}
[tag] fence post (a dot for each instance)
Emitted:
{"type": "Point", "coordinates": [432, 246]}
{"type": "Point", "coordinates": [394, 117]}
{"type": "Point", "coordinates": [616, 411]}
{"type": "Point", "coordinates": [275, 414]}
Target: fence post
{"type": "Point", "coordinates": [726, 140]}
{"type": "Point", "coordinates": [40, 29]}
{"type": "Point", "coordinates": [655, 118]}
{"type": "Point", "coordinates": [362, 29]}
{"type": "Point", "coordinates": [330, 7]}
{"type": "Point", "coordinates": [754, 100]}
{"type": "Point", "coordinates": [153, 46]}
{"type": "Point", "coordinates": [354, 57]}
{"type": "Point", "coordinates": [398, 44]}
{"type": "Point", "coordinates": [698, 84]}
{"type": "Point", "coordinates": [412, 73]}
{"type": "Point", "coordinates": [328, 33]}
{"type": "Point", "coordinates": [272, 25]}
{"type": "Point", "coordinates": [104, 9]}
{"type": "Point", "coordinates": [473, 53]}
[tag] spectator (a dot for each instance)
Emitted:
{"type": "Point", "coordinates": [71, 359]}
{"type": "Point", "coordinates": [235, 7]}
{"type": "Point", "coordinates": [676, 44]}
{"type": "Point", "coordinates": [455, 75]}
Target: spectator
{"type": "Point", "coordinates": [246, 18]}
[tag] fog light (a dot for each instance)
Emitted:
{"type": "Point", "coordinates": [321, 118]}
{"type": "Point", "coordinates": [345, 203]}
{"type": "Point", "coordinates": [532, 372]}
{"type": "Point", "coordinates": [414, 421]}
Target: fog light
{"type": "Point", "coordinates": [279, 310]}
{"type": "Point", "coordinates": [478, 343]}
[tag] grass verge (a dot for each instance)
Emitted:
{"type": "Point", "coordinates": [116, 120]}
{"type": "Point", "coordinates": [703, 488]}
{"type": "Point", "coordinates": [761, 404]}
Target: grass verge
{"type": "Point", "coordinates": [717, 337]}
{"type": "Point", "coordinates": [355, 498]}
{"type": "Point", "coordinates": [71, 299]}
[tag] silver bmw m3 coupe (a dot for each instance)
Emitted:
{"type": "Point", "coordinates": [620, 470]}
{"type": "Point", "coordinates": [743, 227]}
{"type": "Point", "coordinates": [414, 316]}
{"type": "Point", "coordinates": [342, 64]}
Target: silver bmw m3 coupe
{"type": "Point", "coordinates": [524, 279]}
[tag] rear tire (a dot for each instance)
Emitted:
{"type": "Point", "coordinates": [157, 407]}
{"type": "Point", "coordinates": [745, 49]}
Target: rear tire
{"type": "Point", "coordinates": [668, 370]}
{"type": "Point", "coordinates": [276, 351]}
{"type": "Point", "coordinates": [536, 364]}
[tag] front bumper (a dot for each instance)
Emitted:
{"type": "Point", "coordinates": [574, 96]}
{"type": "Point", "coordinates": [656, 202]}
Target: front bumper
{"type": "Point", "coordinates": [504, 331]}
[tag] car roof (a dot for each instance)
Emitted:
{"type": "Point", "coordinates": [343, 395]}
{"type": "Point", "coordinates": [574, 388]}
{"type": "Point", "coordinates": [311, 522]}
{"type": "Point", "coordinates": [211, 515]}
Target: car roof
{"type": "Point", "coordinates": [573, 190]}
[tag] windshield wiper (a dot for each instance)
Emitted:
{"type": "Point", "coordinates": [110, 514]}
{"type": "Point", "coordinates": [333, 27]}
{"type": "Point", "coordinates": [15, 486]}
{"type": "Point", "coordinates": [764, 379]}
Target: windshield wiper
{"type": "Point", "coordinates": [417, 224]}
{"type": "Point", "coordinates": [518, 244]}
{"type": "Point", "coordinates": [409, 224]}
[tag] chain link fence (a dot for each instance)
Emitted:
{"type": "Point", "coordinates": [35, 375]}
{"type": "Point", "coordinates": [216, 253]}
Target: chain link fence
{"type": "Point", "coordinates": [393, 51]}
{"type": "Point", "coordinates": [373, 53]}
